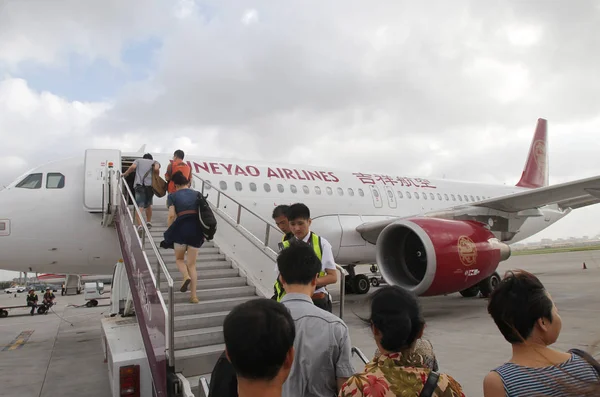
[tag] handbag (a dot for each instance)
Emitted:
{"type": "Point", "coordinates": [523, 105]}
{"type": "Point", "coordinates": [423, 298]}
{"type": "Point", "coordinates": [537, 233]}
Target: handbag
{"type": "Point", "coordinates": [159, 185]}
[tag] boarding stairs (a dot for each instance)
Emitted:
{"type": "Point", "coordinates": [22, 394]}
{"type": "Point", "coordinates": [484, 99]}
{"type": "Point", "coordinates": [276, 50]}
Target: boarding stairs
{"type": "Point", "coordinates": [184, 340]}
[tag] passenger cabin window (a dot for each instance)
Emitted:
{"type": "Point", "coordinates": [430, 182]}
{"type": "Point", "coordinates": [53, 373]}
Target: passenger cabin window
{"type": "Point", "coordinates": [424, 196]}
{"type": "Point", "coordinates": [361, 193]}
{"type": "Point", "coordinates": [31, 181]}
{"type": "Point", "coordinates": [293, 189]}
{"type": "Point", "coordinates": [55, 180]}
{"type": "Point", "coordinates": [453, 198]}
{"type": "Point", "coordinates": [400, 194]}
{"type": "Point", "coordinates": [417, 195]}
{"type": "Point", "coordinates": [329, 190]}
{"type": "Point", "coordinates": [267, 187]}
{"type": "Point", "coordinates": [466, 198]}
{"type": "Point", "coordinates": [439, 196]}
{"type": "Point", "coordinates": [350, 192]}
{"type": "Point", "coordinates": [446, 197]}
{"type": "Point", "coordinates": [459, 197]}
{"type": "Point", "coordinates": [317, 190]}
{"type": "Point", "coordinates": [207, 185]}
{"type": "Point", "coordinates": [408, 194]}
{"type": "Point", "coordinates": [305, 189]}
{"type": "Point", "coordinates": [253, 186]}
{"type": "Point", "coordinates": [472, 199]}
{"type": "Point", "coordinates": [238, 186]}
{"type": "Point", "coordinates": [340, 191]}
{"type": "Point", "coordinates": [477, 197]}
{"type": "Point", "coordinates": [280, 188]}
{"type": "Point", "coordinates": [223, 185]}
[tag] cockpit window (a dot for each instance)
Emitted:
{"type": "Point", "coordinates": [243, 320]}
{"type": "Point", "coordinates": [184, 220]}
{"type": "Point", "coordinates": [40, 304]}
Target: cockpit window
{"type": "Point", "coordinates": [55, 180]}
{"type": "Point", "coordinates": [31, 181]}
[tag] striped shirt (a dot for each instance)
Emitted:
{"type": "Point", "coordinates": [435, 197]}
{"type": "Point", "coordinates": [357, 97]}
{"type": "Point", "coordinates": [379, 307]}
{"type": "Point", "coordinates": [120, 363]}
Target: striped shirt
{"type": "Point", "coordinates": [564, 379]}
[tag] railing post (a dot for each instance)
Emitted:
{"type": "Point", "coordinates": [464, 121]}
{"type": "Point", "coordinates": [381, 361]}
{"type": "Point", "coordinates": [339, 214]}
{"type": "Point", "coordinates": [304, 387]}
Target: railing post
{"type": "Point", "coordinates": [267, 234]}
{"type": "Point", "coordinates": [171, 317]}
{"type": "Point", "coordinates": [218, 198]}
{"type": "Point", "coordinates": [239, 214]}
{"type": "Point", "coordinates": [158, 275]}
{"type": "Point", "coordinates": [342, 290]}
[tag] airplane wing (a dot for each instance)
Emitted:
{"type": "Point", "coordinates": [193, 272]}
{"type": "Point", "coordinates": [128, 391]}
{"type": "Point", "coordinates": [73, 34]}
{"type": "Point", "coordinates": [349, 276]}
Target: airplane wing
{"type": "Point", "coordinates": [576, 194]}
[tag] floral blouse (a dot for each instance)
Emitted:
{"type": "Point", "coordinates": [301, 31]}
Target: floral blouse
{"type": "Point", "coordinates": [397, 375]}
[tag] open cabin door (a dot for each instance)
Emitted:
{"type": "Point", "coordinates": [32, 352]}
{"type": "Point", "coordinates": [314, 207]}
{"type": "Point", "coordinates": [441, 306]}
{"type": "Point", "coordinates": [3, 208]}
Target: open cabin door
{"type": "Point", "coordinates": [102, 172]}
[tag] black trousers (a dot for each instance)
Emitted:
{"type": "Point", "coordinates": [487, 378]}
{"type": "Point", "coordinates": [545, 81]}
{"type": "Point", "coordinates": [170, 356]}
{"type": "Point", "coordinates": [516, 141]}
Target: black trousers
{"type": "Point", "coordinates": [323, 303]}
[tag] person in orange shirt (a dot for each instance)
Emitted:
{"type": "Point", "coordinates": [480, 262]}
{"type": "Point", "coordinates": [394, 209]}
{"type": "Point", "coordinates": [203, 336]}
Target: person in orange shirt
{"type": "Point", "coordinates": [174, 167]}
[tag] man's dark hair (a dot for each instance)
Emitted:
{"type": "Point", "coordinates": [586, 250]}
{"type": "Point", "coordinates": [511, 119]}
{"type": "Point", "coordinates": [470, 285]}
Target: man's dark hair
{"type": "Point", "coordinates": [179, 154]}
{"type": "Point", "coordinates": [395, 312]}
{"type": "Point", "coordinates": [298, 264]}
{"type": "Point", "coordinates": [148, 156]}
{"type": "Point", "coordinates": [298, 211]}
{"type": "Point", "coordinates": [179, 179]}
{"type": "Point", "coordinates": [280, 210]}
{"type": "Point", "coordinates": [258, 336]}
{"type": "Point", "coordinates": [517, 303]}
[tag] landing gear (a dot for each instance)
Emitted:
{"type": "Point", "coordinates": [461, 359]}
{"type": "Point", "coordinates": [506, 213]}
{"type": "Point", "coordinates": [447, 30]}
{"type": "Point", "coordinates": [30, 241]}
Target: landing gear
{"type": "Point", "coordinates": [3, 313]}
{"type": "Point", "coordinates": [489, 284]}
{"type": "Point", "coordinates": [485, 287]}
{"type": "Point", "coordinates": [356, 283]}
{"type": "Point", "coordinates": [361, 284]}
{"type": "Point", "coordinates": [470, 292]}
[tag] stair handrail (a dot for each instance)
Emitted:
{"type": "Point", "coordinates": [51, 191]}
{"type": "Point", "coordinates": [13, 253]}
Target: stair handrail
{"type": "Point", "coordinates": [360, 354]}
{"type": "Point", "coordinates": [170, 312]}
{"type": "Point", "coordinates": [262, 245]}
{"type": "Point", "coordinates": [265, 242]}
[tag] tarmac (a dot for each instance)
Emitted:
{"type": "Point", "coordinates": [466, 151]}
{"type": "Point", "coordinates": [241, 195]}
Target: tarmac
{"type": "Point", "coordinates": [63, 355]}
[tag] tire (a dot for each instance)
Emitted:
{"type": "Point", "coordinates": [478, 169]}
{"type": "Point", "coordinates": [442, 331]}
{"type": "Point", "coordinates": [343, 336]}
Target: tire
{"type": "Point", "coordinates": [3, 313]}
{"type": "Point", "coordinates": [374, 282]}
{"type": "Point", "coordinates": [361, 284]}
{"type": "Point", "coordinates": [470, 292]}
{"type": "Point", "coordinates": [88, 304]}
{"type": "Point", "coordinates": [489, 284]}
{"type": "Point", "coordinates": [42, 310]}
{"type": "Point", "coordinates": [94, 302]}
{"type": "Point", "coordinates": [349, 285]}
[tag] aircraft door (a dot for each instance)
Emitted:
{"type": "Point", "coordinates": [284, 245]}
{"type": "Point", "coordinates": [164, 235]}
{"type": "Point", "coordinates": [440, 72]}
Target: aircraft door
{"type": "Point", "coordinates": [377, 200]}
{"type": "Point", "coordinates": [96, 167]}
{"type": "Point", "coordinates": [391, 197]}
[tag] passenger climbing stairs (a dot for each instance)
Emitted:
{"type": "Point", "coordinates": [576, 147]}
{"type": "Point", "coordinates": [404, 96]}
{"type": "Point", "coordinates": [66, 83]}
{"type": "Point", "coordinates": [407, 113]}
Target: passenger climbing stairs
{"type": "Point", "coordinates": [199, 326]}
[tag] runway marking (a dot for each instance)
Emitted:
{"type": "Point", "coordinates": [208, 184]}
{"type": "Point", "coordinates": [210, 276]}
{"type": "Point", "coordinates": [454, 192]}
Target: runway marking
{"type": "Point", "coordinates": [19, 341]}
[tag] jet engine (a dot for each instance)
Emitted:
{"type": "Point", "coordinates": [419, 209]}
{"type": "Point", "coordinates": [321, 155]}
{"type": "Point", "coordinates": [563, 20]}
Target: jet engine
{"type": "Point", "coordinates": [431, 256]}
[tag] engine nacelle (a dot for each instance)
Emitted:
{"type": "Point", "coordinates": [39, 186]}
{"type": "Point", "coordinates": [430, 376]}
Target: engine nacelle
{"type": "Point", "coordinates": [431, 256]}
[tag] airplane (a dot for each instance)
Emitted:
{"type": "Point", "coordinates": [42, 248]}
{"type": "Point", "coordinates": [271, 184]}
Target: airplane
{"type": "Point", "coordinates": [432, 237]}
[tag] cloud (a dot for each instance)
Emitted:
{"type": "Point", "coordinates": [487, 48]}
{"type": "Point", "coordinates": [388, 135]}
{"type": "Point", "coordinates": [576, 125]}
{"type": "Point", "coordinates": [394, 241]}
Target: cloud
{"type": "Point", "coordinates": [439, 89]}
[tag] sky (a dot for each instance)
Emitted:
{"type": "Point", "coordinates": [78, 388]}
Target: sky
{"type": "Point", "coordinates": [434, 89]}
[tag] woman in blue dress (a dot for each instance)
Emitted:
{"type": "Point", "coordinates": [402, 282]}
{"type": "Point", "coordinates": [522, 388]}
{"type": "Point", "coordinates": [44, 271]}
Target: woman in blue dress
{"type": "Point", "coordinates": [184, 232]}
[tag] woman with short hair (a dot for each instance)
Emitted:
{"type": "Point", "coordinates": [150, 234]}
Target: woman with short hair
{"type": "Point", "coordinates": [528, 319]}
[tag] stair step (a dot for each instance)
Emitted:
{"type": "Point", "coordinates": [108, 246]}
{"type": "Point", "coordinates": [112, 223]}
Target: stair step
{"type": "Point", "coordinates": [199, 360]}
{"type": "Point", "coordinates": [202, 251]}
{"type": "Point", "coordinates": [207, 274]}
{"type": "Point", "coordinates": [212, 283]}
{"type": "Point", "coordinates": [195, 385]}
{"type": "Point", "coordinates": [198, 337]}
{"type": "Point", "coordinates": [214, 294]}
{"type": "Point", "coordinates": [200, 264]}
{"type": "Point", "coordinates": [211, 306]}
{"type": "Point", "coordinates": [204, 320]}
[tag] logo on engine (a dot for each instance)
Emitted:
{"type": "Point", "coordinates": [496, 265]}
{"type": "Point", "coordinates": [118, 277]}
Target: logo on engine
{"type": "Point", "coordinates": [467, 251]}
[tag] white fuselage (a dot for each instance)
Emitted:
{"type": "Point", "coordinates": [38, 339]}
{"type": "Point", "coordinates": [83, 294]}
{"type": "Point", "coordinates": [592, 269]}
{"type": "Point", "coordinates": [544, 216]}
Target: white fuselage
{"type": "Point", "coordinates": [51, 231]}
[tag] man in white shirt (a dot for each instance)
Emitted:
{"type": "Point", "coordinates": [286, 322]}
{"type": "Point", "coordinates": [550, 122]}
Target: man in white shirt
{"type": "Point", "coordinates": [299, 218]}
{"type": "Point", "coordinates": [142, 186]}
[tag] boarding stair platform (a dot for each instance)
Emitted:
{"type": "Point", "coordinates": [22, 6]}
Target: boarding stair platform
{"type": "Point", "coordinates": [183, 340]}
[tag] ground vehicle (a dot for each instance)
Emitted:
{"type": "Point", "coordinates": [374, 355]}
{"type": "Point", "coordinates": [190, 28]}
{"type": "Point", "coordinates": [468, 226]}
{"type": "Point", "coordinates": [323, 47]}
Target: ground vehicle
{"type": "Point", "coordinates": [12, 290]}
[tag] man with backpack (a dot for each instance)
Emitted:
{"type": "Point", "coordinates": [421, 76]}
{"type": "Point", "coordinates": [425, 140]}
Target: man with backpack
{"type": "Point", "coordinates": [142, 185]}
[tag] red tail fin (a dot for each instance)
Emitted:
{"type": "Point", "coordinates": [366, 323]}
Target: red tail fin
{"type": "Point", "coordinates": [535, 173]}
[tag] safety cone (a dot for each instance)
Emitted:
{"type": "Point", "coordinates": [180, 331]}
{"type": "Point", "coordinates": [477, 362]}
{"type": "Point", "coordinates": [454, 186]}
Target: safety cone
{"type": "Point", "coordinates": [584, 266]}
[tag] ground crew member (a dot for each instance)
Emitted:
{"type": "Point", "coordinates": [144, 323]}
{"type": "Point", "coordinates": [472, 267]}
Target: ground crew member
{"type": "Point", "coordinates": [299, 218]}
{"type": "Point", "coordinates": [281, 220]}
{"type": "Point", "coordinates": [32, 300]}
{"type": "Point", "coordinates": [174, 167]}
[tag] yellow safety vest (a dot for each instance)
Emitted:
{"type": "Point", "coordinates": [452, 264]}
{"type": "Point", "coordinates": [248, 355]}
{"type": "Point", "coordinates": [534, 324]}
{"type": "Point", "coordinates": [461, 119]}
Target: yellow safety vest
{"type": "Point", "coordinates": [315, 242]}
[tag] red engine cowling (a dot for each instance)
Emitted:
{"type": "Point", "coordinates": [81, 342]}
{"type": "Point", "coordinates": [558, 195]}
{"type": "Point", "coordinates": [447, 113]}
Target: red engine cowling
{"type": "Point", "coordinates": [430, 256]}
